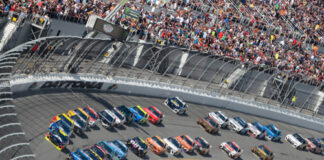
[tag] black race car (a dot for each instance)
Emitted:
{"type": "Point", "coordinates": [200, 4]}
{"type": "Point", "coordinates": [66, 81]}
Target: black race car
{"type": "Point", "coordinates": [138, 146]}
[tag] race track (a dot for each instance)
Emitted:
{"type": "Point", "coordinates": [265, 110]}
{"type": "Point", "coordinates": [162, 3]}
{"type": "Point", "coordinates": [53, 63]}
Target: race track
{"type": "Point", "coordinates": [36, 109]}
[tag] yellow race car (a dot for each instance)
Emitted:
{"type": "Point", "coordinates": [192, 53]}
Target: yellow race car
{"type": "Point", "coordinates": [57, 138]}
{"type": "Point", "coordinates": [65, 118]}
{"type": "Point", "coordinates": [263, 152]}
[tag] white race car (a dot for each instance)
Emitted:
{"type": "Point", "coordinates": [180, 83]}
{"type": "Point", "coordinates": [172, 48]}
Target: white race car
{"type": "Point", "coordinates": [176, 105]}
{"type": "Point", "coordinates": [238, 125]}
{"type": "Point", "coordinates": [296, 140]}
{"type": "Point", "coordinates": [173, 146]}
{"type": "Point", "coordinates": [219, 117]}
{"type": "Point", "coordinates": [231, 149]}
{"type": "Point", "coordinates": [120, 118]}
{"type": "Point", "coordinates": [255, 130]}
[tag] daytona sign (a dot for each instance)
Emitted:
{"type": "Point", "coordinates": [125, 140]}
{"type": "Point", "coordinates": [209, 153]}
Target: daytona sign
{"type": "Point", "coordinates": [72, 84]}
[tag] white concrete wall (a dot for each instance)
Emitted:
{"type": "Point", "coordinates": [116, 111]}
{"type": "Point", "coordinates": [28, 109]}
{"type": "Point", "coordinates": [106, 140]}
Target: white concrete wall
{"type": "Point", "coordinates": [163, 90]}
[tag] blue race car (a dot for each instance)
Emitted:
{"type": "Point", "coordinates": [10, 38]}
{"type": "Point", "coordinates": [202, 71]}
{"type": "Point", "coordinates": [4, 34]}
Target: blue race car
{"type": "Point", "coordinates": [176, 105]}
{"type": "Point", "coordinates": [60, 124]}
{"type": "Point", "coordinates": [272, 133]}
{"type": "Point", "coordinates": [110, 150]}
{"type": "Point", "coordinates": [80, 155]}
{"type": "Point", "coordinates": [140, 116]}
{"type": "Point", "coordinates": [121, 145]}
{"type": "Point", "coordinates": [120, 154]}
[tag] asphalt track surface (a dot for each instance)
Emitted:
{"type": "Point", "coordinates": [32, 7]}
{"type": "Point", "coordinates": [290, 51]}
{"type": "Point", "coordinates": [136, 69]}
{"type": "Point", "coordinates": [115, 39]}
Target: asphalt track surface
{"type": "Point", "coordinates": [35, 109]}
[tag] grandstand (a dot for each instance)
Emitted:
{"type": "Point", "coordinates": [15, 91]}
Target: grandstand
{"type": "Point", "coordinates": [262, 51]}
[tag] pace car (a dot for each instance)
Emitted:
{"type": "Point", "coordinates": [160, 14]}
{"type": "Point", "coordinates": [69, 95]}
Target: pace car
{"type": "Point", "coordinates": [272, 133]}
{"type": "Point", "coordinates": [103, 154]}
{"type": "Point", "coordinates": [93, 116]}
{"type": "Point", "coordinates": [208, 125]}
{"type": "Point", "coordinates": [120, 155]}
{"type": "Point", "coordinates": [296, 140]}
{"type": "Point", "coordinates": [127, 113]}
{"type": "Point", "coordinates": [65, 118]}
{"type": "Point", "coordinates": [80, 155]}
{"type": "Point", "coordinates": [220, 118]}
{"type": "Point", "coordinates": [156, 144]}
{"type": "Point", "coordinates": [238, 125]}
{"type": "Point", "coordinates": [231, 149]}
{"type": "Point", "coordinates": [263, 152]}
{"type": "Point", "coordinates": [93, 155]}
{"type": "Point", "coordinates": [140, 116]}
{"type": "Point", "coordinates": [83, 115]}
{"type": "Point", "coordinates": [203, 146]}
{"type": "Point", "coordinates": [57, 138]}
{"type": "Point", "coordinates": [187, 142]}
{"type": "Point", "coordinates": [138, 146]}
{"type": "Point", "coordinates": [173, 146]}
{"type": "Point", "coordinates": [155, 115]}
{"type": "Point", "coordinates": [176, 105]}
{"type": "Point", "coordinates": [313, 145]}
{"type": "Point", "coordinates": [256, 130]}
{"type": "Point", "coordinates": [107, 118]}
{"type": "Point", "coordinates": [80, 126]}
{"type": "Point", "coordinates": [120, 118]}
{"type": "Point", "coordinates": [60, 124]}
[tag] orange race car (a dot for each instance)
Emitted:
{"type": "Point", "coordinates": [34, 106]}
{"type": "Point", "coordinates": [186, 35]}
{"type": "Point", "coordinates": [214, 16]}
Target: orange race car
{"type": "Point", "coordinates": [156, 144]}
{"type": "Point", "coordinates": [188, 143]}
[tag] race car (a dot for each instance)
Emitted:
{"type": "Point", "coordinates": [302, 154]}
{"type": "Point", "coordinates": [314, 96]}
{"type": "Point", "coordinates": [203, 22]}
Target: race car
{"type": "Point", "coordinates": [80, 126]}
{"type": "Point", "coordinates": [176, 105]}
{"type": "Point", "coordinates": [231, 149]}
{"type": "Point", "coordinates": [57, 138]}
{"type": "Point", "coordinates": [102, 153]}
{"type": "Point", "coordinates": [156, 144]}
{"type": "Point", "coordinates": [188, 143]}
{"type": "Point", "coordinates": [263, 152]}
{"type": "Point", "coordinates": [80, 155]}
{"type": "Point", "coordinates": [173, 146]}
{"type": "Point", "coordinates": [256, 130]}
{"type": "Point", "coordinates": [65, 118]}
{"type": "Point", "coordinates": [107, 118]}
{"type": "Point", "coordinates": [138, 146]}
{"type": "Point", "coordinates": [238, 125]}
{"type": "Point", "coordinates": [272, 133]}
{"type": "Point", "coordinates": [313, 145]}
{"type": "Point", "coordinates": [296, 140]}
{"type": "Point", "coordinates": [140, 116]}
{"type": "Point", "coordinates": [155, 115]}
{"type": "Point", "coordinates": [83, 115]}
{"type": "Point", "coordinates": [208, 125]}
{"type": "Point", "coordinates": [90, 153]}
{"type": "Point", "coordinates": [93, 116]}
{"type": "Point", "coordinates": [121, 146]}
{"type": "Point", "coordinates": [60, 124]}
{"type": "Point", "coordinates": [111, 151]}
{"type": "Point", "coordinates": [321, 142]}
{"type": "Point", "coordinates": [127, 113]}
{"type": "Point", "coordinates": [120, 118]}
{"type": "Point", "coordinates": [220, 118]}
{"type": "Point", "coordinates": [203, 146]}
{"type": "Point", "coordinates": [119, 153]}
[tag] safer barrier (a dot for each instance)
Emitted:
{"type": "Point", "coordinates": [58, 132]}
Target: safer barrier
{"type": "Point", "coordinates": [157, 89]}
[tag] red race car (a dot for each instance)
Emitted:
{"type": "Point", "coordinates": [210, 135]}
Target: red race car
{"type": "Point", "coordinates": [155, 115]}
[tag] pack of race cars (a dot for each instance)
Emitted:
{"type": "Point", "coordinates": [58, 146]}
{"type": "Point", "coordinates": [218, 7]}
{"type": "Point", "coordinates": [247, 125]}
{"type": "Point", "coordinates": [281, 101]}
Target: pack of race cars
{"type": "Point", "coordinates": [80, 119]}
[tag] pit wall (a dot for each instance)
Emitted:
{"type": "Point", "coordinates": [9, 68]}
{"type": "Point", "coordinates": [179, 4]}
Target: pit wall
{"type": "Point", "coordinates": [21, 83]}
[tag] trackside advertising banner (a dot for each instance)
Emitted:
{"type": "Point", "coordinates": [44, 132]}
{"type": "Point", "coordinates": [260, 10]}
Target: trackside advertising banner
{"type": "Point", "coordinates": [72, 85]}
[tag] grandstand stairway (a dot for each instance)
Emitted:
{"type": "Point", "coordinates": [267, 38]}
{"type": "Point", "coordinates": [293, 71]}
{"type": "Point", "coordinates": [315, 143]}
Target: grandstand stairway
{"type": "Point", "coordinates": [319, 107]}
{"type": "Point", "coordinates": [232, 78]}
{"type": "Point", "coordinates": [10, 28]}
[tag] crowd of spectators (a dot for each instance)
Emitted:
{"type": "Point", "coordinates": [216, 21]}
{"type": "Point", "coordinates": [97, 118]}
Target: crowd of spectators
{"type": "Point", "coordinates": [240, 31]}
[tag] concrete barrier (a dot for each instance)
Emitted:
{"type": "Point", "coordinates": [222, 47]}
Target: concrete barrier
{"type": "Point", "coordinates": [22, 83]}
